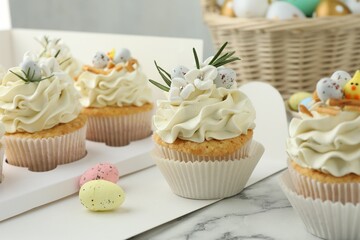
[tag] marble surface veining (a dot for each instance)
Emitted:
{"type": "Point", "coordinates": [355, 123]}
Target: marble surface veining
{"type": "Point", "coordinates": [260, 212]}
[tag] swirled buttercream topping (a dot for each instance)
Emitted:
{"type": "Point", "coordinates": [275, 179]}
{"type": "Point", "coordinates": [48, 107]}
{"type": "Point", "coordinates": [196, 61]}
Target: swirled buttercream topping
{"type": "Point", "coordinates": [36, 106]}
{"type": "Point", "coordinates": [118, 88]}
{"type": "Point", "coordinates": [217, 113]}
{"type": "Point", "coordinates": [330, 144]}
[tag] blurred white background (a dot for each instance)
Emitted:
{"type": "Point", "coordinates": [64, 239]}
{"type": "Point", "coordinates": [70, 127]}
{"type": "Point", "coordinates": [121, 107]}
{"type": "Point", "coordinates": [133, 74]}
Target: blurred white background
{"type": "Point", "coordinates": [171, 18]}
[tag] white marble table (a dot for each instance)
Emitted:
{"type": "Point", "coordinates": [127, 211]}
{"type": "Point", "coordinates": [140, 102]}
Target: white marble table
{"type": "Point", "coordinates": [260, 212]}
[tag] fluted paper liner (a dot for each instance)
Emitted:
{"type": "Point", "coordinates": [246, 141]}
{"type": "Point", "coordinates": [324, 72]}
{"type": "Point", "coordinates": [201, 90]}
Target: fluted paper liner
{"type": "Point", "coordinates": [337, 192]}
{"type": "Point", "coordinates": [324, 219]}
{"type": "Point", "coordinates": [119, 130]}
{"type": "Point", "coordinates": [209, 179]}
{"type": "Point", "coordinates": [1, 160]}
{"type": "Point", "coordinates": [44, 154]}
{"type": "Point", "coordinates": [168, 153]}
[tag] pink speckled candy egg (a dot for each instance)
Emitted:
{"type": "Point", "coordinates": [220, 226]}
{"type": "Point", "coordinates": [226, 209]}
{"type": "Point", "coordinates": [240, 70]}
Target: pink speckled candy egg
{"type": "Point", "coordinates": [105, 171]}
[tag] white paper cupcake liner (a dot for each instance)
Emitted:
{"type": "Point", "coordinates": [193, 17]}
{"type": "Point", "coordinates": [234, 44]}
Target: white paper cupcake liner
{"type": "Point", "coordinates": [324, 219]}
{"type": "Point", "coordinates": [212, 179]}
{"type": "Point", "coordinates": [2, 150]}
{"type": "Point", "coordinates": [168, 153]}
{"type": "Point", "coordinates": [44, 154]}
{"type": "Point", "coordinates": [337, 192]}
{"type": "Point", "coordinates": [119, 130]}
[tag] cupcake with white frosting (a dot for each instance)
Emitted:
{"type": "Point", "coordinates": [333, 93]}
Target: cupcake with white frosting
{"type": "Point", "coordinates": [56, 48]}
{"type": "Point", "coordinates": [323, 179]}
{"type": "Point", "coordinates": [203, 130]}
{"type": "Point", "coordinates": [116, 98]}
{"type": "Point", "coordinates": [40, 110]}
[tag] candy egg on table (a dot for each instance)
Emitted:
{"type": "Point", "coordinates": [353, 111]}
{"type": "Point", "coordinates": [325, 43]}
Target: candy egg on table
{"type": "Point", "coordinates": [100, 60]}
{"type": "Point", "coordinates": [296, 98]}
{"type": "Point", "coordinates": [341, 77]}
{"type": "Point", "coordinates": [227, 8]}
{"type": "Point", "coordinates": [250, 8]}
{"type": "Point", "coordinates": [104, 171]}
{"type": "Point", "coordinates": [283, 11]}
{"type": "Point", "coordinates": [101, 195]}
{"type": "Point", "coordinates": [31, 68]}
{"type": "Point", "coordinates": [225, 78]}
{"type": "Point", "coordinates": [179, 72]}
{"type": "Point", "coordinates": [122, 55]}
{"type": "Point", "coordinates": [328, 88]}
{"type": "Point", "coordinates": [331, 8]}
{"type": "Point", "coordinates": [306, 6]}
{"type": "Point", "coordinates": [354, 6]}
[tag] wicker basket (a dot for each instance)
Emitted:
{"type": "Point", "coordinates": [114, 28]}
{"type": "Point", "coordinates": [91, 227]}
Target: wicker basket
{"type": "Point", "coordinates": [291, 55]}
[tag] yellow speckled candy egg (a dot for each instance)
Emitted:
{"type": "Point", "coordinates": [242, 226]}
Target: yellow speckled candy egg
{"type": "Point", "coordinates": [101, 195]}
{"type": "Point", "coordinates": [296, 98]}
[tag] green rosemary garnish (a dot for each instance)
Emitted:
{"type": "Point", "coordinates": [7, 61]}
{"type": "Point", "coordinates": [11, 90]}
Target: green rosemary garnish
{"type": "Point", "coordinates": [196, 59]}
{"type": "Point", "coordinates": [217, 61]}
{"type": "Point", "coordinates": [29, 77]}
{"type": "Point", "coordinates": [64, 61]}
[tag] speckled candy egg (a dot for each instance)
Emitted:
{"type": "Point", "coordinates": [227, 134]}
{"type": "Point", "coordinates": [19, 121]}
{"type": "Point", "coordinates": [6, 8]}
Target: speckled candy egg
{"type": "Point", "coordinates": [226, 78]}
{"type": "Point", "coordinates": [250, 8]}
{"type": "Point", "coordinates": [283, 11]}
{"type": "Point", "coordinates": [31, 68]}
{"type": "Point", "coordinates": [104, 171]}
{"type": "Point", "coordinates": [101, 195]}
{"type": "Point", "coordinates": [179, 72]}
{"type": "Point", "coordinates": [354, 6]}
{"type": "Point", "coordinates": [306, 6]}
{"type": "Point", "coordinates": [122, 55]}
{"type": "Point", "coordinates": [341, 77]}
{"type": "Point", "coordinates": [100, 60]}
{"type": "Point", "coordinates": [327, 88]}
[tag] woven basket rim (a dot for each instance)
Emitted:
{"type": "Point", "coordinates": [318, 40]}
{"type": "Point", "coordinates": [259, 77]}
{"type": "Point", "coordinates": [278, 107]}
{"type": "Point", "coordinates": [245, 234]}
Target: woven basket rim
{"type": "Point", "coordinates": [214, 20]}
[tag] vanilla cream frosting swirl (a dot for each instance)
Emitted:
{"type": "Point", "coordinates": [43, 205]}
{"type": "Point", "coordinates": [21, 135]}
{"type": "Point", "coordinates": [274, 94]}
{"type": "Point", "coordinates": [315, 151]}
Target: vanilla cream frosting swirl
{"type": "Point", "coordinates": [118, 88]}
{"type": "Point", "coordinates": [217, 113]}
{"type": "Point", "coordinates": [36, 106]}
{"type": "Point", "coordinates": [330, 144]}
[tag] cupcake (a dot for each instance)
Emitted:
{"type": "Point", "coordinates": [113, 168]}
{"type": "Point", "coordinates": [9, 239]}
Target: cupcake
{"type": "Point", "coordinates": [56, 48]}
{"type": "Point", "coordinates": [2, 149]}
{"type": "Point", "coordinates": [40, 110]}
{"type": "Point", "coordinates": [203, 130]}
{"type": "Point", "coordinates": [324, 158]}
{"type": "Point", "coordinates": [116, 99]}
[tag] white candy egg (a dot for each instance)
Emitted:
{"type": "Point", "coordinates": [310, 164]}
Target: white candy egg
{"type": "Point", "coordinates": [100, 60]}
{"type": "Point", "coordinates": [250, 8]}
{"type": "Point", "coordinates": [341, 77]}
{"type": "Point", "coordinates": [179, 72]}
{"type": "Point", "coordinates": [226, 78]}
{"type": "Point", "coordinates": [328, 88]}
{"type": "Point", "coordinates": [31, 68]}
{"type": "Point", "coordinates": [354, 6]}
{"type": "Point", "coordinates": [122, 55]}
{"type": "Point", "coordinates": [283, 11]}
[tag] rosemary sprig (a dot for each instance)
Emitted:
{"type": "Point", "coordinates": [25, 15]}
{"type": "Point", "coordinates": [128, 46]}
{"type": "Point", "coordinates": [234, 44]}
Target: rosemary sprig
{"type": "Point", "coordinates": [57, 53]}
{"type": "Point", "coordinates": [219, 60]}
{"type": "Point", "coordinates": [165, 75]}
{"type": "Point", "coordinates": [28, 79]}
{"type": "Point", "coordinates": [162, 87]}
{"type": "Point", "coordinates": [196, 59]}
{"type": "Point", "coordinates": [65, 61]}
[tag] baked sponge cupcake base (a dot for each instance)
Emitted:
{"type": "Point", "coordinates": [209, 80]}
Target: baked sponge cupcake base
{"type": "Point", "coordinates": [44, 150]}
{"type": "Point", "coordinates": [324, 219]}
{"type": "Point", "coordinates": [209, 179]}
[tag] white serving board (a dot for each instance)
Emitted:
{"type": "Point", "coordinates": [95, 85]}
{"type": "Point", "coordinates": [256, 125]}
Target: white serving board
{"type": "Point", "coordinates": [23, 190]}
{"type": "Point", "coordinates": [149, 200]}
